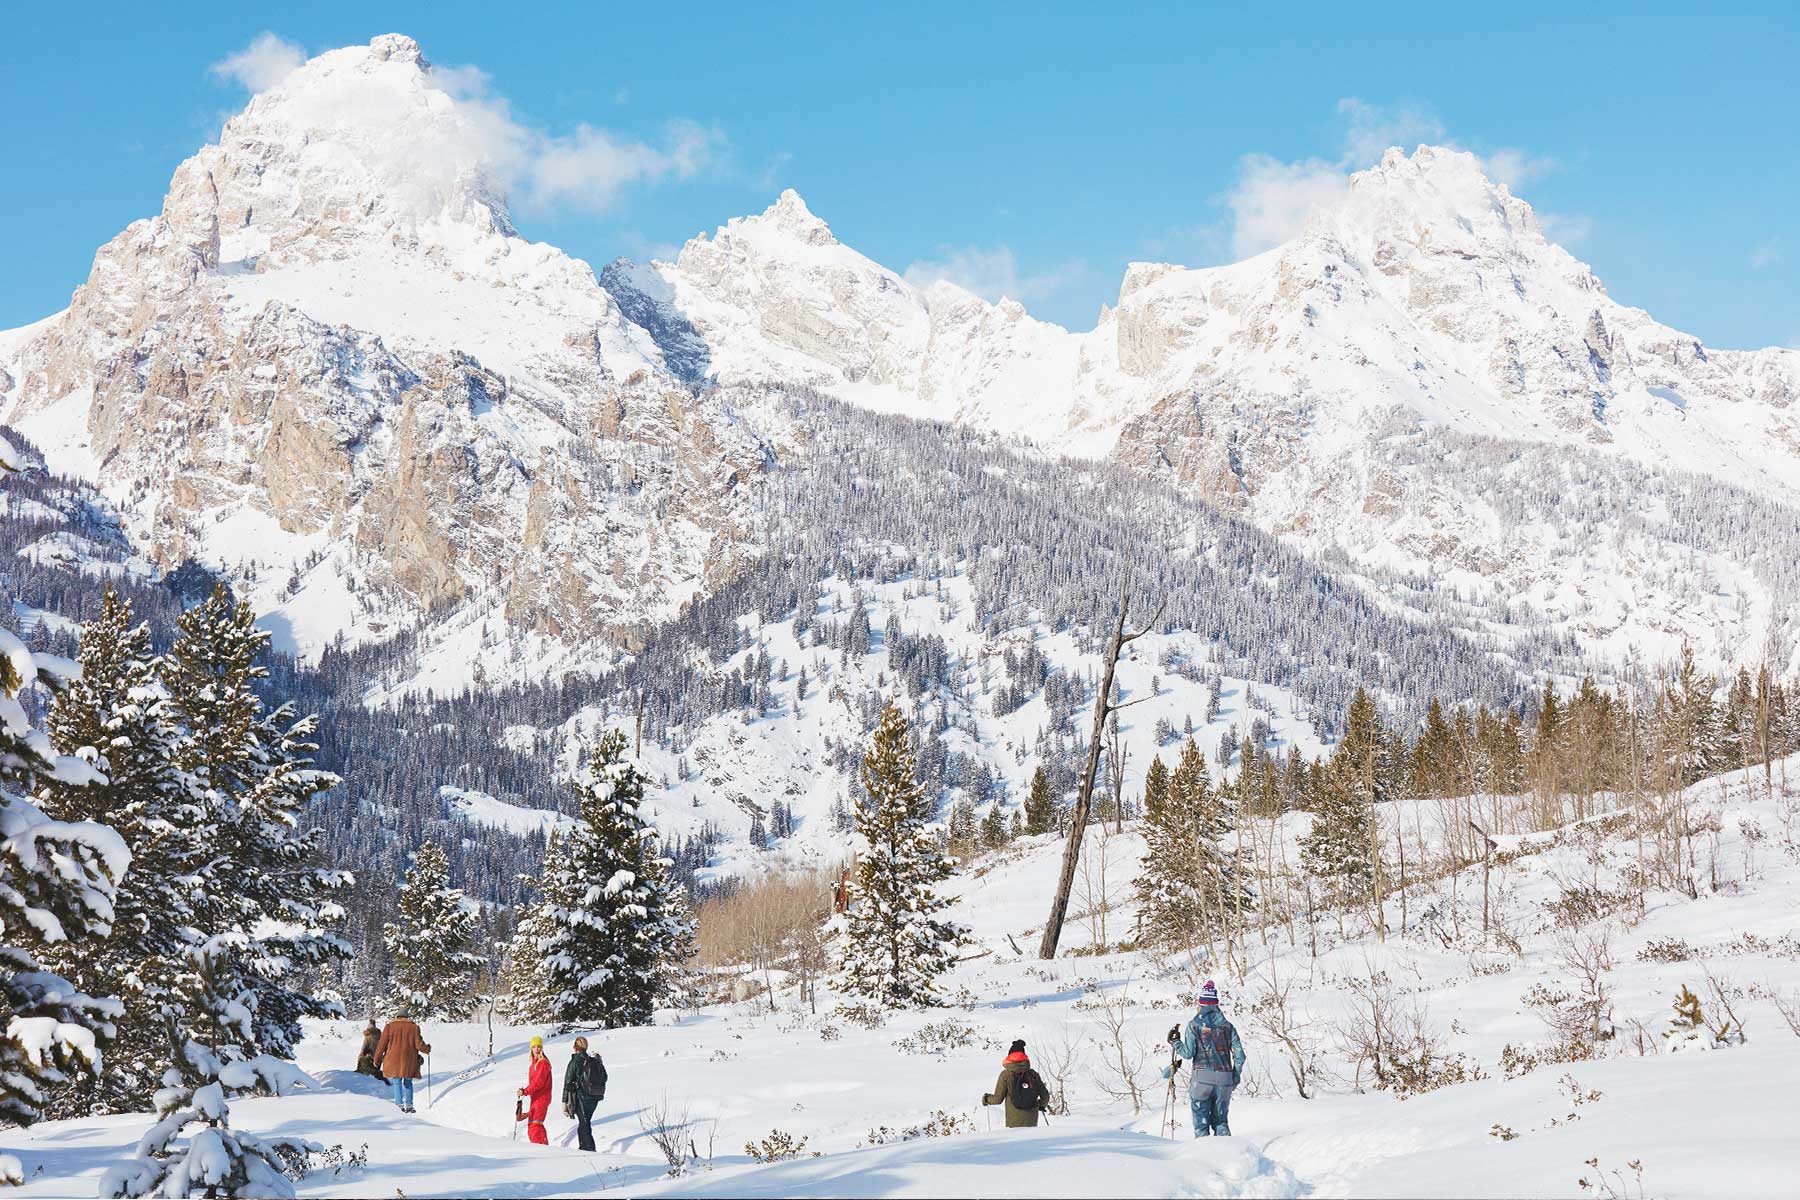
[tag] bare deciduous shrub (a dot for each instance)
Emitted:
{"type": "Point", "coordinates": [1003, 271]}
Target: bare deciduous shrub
{"type": "Point", "coordinates": [1279, 1017]}
{"type": "Point", "coordinates": [1788, 1005]}
{"type": "Point", "coordinates": [666, 1123]}
{"type": "Point", "coordinates": [1121, 1057]}
{"type": "Point", "coordinates": [939, 1124]}
{"type": "Point", "coordinates": [772, 923]}
{"type": "Point", "coordinates": [1725, 1025]}
{"type": "Point", "coordinates": [941, 1037]}
{"type": "Point", "coordinates": [1058, 1058]}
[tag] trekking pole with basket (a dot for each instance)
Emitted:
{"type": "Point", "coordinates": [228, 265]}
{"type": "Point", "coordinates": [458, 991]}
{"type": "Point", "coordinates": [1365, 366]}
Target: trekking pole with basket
{"type": "Point", "coordinates": [1168, 1122]}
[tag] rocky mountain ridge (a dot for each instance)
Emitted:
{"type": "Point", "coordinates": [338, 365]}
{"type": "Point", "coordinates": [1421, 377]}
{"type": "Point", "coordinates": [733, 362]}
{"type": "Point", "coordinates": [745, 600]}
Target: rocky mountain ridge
{"type": "Point", "coordinates": [333, 368]}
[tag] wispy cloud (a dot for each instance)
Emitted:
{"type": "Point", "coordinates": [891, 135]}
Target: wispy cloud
{"type": "Point", "coordinates": [261, 65]}
{"type": "Point", "coordinates": [993, 273]}
{"type": "Point", "coordinates": [1765, 254]}
{"type": "Point", "coordinates": [1565, 229]}
{"type": "Point", "coordinates": [587, 169]}
{"type": "Point", "coordinates": [1271, 199]}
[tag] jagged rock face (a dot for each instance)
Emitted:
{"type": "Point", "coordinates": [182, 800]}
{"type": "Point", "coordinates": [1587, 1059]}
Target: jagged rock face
{"type": "Point", "coordinates": [332, 355]}
{"type": "Point", "coordinates": [1302, 389]}
{"type": "Point", "coordinates": [266, 344]}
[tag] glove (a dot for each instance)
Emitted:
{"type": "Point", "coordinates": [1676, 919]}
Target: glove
{"type": "Point", "coordinates": [1165, 1072]}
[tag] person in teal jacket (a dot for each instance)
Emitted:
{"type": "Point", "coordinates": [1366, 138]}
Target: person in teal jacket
{"type": "Point", "coordinates": [1211, 1044]}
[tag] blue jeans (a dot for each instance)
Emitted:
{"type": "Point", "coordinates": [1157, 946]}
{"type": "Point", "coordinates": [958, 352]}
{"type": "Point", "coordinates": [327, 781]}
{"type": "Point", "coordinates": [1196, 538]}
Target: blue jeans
{"type": "Point", "coordinates": [1211, 1103]}
{"type": "Point", "coordinates": [403, 1092]}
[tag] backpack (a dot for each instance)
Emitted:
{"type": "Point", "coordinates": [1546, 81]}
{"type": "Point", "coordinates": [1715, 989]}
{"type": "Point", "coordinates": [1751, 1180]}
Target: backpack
{"type": "Point", "coordinates": [593, 1076]}
{"type": "Point", "coordinates": [1025, 1091]}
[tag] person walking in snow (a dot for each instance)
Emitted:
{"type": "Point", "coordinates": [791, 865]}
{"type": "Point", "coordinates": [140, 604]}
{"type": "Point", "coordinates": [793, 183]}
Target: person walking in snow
{"type": "Point", "coordinates": [1211, 1044]}
{"type": "Point", "coordinates": [1020, 1089]}
{"type": "Point", "coordinates": [399, 1052]}
{"type": "Point", "coordinates": [365, 1058]}
{"type": "Point", "coordinates": [537, 1091]}
{"type": "Point", "coordinates": [584, 1087]}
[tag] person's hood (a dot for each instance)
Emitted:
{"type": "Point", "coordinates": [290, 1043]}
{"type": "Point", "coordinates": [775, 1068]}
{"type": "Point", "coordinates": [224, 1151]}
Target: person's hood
{"type": "Point", "coordinates": [1017, 1056]}
{"type": "Point", "coordinates": [1211, 1017]}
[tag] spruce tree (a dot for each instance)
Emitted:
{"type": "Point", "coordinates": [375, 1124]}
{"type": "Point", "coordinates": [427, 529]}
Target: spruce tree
{"type": "Point", "coordinates": [1337, 848]}
{"type": "Point", "coordinates": [620, 927]}
{"type": "Point", "coordinates": [897, 942]}
{"type": "Point", "coordinates": [57, 880]}
{"type": "Point", "coordinates": [1190, 883]}
{"type": "Point", "coordinates": [118, 706]}
{"type": "Point", "coordinates": [1040, 805]}
{"type": "Point", "coordinates": [207, 1070]}
{"type": "Point", "coordinates": [993, 827]}
{"type": "Point", "coordinates": [527, 996]}
{"type": "Point", "coordinates": [434, 969]}
{"type": "Point", "coordinates": [266, 888]}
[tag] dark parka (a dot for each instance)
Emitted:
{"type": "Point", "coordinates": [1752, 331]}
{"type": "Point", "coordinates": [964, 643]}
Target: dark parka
{"type": "Point", "coordinates": [1002, 1093]}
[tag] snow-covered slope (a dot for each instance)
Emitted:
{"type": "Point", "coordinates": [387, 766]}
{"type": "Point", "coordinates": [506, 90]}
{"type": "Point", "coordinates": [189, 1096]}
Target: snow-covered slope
{"type": "Point", "coordinates": [1313, 388]}
{"type": "Point", "coordinates": [331, 367]}
{"type": "Point", "coordinates": [1701, 1125]}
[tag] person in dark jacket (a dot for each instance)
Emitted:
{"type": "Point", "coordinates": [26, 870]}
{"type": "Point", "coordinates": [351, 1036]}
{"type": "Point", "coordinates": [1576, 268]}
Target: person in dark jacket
{"type": "Point", "coordinates": [365, 1058]}
{"type": "Point", "coordinates": [1014, 1064]}
{"type": "Point", "coordinates": [1211, 1044]}
{"type": "Point", "coordinates": [584, 1087]}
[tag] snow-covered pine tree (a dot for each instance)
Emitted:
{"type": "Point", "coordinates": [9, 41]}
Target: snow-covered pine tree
{"type": "Point", "coordinates": [266, 882]}
{"type": "Point", "coordinates": [207, 1068]}
{"type": "Point", "coordinates": [118, 706]}
{"type": "Point", "coordinates": [620, 927]}
{"type": "Point", "coordinates": [1190, 883]}
{"type": "Point", "coordinates": [1339, 847]}
{"type": "Point", "coordinates": [897, 944]}
{"type": "Point", "coordinates": [434, 969]}
{"type": "Point", "coordinates": [1040, 804]}
{"type": "Point", "coordinates": [993, 827]}
{"type": "Point", "coordinates": [526, 993]}
{"type": "Point", "coordinates": [56, 885]}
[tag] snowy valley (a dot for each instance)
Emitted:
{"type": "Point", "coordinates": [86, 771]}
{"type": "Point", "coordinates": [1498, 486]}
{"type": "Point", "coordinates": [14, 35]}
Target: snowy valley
{"type": "Point", "coordinates": [747, 659]}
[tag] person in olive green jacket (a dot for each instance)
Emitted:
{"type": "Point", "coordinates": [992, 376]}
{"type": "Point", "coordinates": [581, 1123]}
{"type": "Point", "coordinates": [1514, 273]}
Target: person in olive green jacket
{"type": "Point", "coordinates": [1020, 1088]}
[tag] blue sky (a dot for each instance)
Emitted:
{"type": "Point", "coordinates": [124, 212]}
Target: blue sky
{"type": "Point", "coordinates": [1033, 148]}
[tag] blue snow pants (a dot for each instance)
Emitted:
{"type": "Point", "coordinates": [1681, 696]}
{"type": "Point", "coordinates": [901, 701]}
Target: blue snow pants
{"type": "Point", "coordinates": [1211, 1103]}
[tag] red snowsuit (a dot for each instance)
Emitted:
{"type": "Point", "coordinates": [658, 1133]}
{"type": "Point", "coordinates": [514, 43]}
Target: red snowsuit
{"type": "Point", "coordinates": [537, 1090]}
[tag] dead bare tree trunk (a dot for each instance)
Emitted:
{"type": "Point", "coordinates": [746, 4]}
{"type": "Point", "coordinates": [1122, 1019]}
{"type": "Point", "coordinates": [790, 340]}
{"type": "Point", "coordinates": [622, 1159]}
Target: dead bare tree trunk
{"type": "Point", "coordinates": [1084, 799]}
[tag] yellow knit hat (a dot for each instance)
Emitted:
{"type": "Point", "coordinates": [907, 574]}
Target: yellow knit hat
{"type": "Point", "coordinates": [537, 1041]}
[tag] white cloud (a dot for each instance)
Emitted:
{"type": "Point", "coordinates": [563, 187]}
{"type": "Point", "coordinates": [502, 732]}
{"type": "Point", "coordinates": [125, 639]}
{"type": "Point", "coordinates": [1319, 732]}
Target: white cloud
{"type": "Point", "coordinates": [1271, 199]}
{"type": "Point", "coordinates": [1565, 229]}
{"type": "Point", "coordinates": [1372, 129]}
{"type": "Point", "coordinates": [1516, 168]}
{"type": "Point", "coordinates": [993, 273]}
{"type": "Point", "coordinates": [261, 65]}
{"type": "Point", "coordinates": [1766, 254]}
{"type": "Point", "coordinates": [587, 169]}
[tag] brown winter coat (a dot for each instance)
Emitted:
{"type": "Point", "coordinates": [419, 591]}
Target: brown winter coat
{"type": "Point", "coordinates": [365, 1058]}
{"type": "Point", "coordinates": [401, 1049]}
{"type": "Point", "coordinates": [1002, 1093]}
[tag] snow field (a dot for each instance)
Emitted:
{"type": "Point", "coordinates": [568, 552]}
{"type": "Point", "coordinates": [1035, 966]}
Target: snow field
{"type": "Point", "coordinates": [1710, 1124]}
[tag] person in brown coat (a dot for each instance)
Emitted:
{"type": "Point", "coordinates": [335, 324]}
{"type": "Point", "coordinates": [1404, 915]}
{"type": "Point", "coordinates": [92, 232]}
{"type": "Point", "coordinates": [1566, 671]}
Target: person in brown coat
{"type": "Point", "coordinates": [1020, 1088]}
{"type": "Point", "coordinates": [398, 1055]}
{"type": "Point", "coordinates": [365, 1058]}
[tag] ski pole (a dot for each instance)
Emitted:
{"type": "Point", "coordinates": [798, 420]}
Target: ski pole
{"type": "Point", "coordinates": [428, 1079]}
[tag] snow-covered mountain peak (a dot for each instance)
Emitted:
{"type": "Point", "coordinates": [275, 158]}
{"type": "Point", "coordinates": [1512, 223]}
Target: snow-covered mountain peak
{"type": "Point", "coordinates": [364, 139]}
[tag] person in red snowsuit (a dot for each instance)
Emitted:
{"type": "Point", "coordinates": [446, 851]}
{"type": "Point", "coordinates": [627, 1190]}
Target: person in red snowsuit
{"type": "Point", "coordinates": [537, 1090]}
